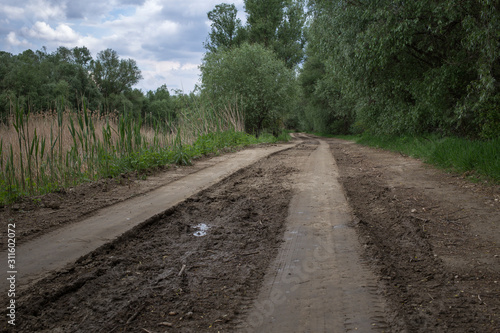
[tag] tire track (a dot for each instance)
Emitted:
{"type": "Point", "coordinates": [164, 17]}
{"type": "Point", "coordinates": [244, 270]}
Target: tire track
{"type": "Point", "coordinates": [318, 283]}
{"type": "Point", "coordinates": [63, 246]}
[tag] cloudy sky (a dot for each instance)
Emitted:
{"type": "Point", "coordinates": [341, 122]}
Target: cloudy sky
{"type": "Point", "coordinates": [165, 37]}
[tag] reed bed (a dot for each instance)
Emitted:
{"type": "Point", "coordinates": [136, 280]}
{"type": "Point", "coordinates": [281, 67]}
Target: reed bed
{"type": "Point", "coordinates": [43, 152]}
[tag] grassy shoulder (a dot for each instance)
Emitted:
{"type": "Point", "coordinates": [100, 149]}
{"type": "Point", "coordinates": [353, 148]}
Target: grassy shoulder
{"type": "Point", "coordinates": [146, 159]}
{"type": "Point", "coordinates": [477, 159]}
{"type": "Point", "coordinates": [183, 154]}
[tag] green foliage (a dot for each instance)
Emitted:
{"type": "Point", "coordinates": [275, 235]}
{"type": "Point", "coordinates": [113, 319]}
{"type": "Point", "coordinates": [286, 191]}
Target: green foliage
{"type": "Point", "coordinates": [226, 29]}
{"type": "Point", "coordinates": [253, 73]}
{"type": "Point", "coordinates": [474, 157]}
{"type": "Point", "coordinates": [264, 18]}
{"type": "Point", "coordinates": [290, 41]}
{"type": "Point", "coordinates": [41, 164]}
{"type": "Point", "coordinates": [278, 25]}
{"type": "Point", "coordinates": [36, 80]}
{"type": "Point", "coordinates": [399, 67]}
{"type": "Point", "coordinates": [113, 75]}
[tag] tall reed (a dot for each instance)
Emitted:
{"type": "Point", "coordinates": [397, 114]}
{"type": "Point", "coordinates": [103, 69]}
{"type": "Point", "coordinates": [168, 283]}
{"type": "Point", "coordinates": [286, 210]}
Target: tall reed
{"type": "Point", "coordinates": [42, 152]}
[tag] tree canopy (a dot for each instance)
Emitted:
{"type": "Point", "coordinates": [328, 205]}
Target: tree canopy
{"type": "Point", "coordinates": [42, 81]}
{"type": "Point", "coordinates": [255, 75]}
{"type": "Point", "coordinates": [276, 24]}
{"type": "Point", "coordinates": [112, 74]}
{"type": "Point", "coordinates": [387, 67]}
{"type": "Point", "coordinates": [226, 28]}
{"type": "Point", "coordinates": [405, 66]}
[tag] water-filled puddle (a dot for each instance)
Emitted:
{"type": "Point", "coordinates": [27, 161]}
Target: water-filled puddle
{"type": "Point", "coordinates": [202, 229]}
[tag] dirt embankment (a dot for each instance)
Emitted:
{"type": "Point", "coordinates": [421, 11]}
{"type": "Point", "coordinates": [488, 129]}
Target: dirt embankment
{"type": "Point", "coordinates": [433, 238]}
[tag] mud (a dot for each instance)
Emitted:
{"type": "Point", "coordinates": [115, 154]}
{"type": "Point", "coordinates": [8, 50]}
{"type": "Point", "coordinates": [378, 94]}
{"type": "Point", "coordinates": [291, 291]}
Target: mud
{"type": "Point", "coordinates": [318, 282]}
{"type": "Point", "coordinates": [39, 215]}
{"type": "Point", "coordinates": [432, 237]}
{"type": "Point", "coordinates": [161, 276]}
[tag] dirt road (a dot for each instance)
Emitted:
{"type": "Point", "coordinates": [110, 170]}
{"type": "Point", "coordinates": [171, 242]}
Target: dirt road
{"type": "Point", "coordinates": [54, 250]}
{"type": "Point", "coordinates": [326, 236]}
{"type": "Point", "coordinates": [318, 283]}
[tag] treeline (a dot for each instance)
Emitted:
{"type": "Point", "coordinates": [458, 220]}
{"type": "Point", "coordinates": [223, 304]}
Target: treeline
{"type": "Point", "coordinates": [256, 63]}
{"type": "Point", "coordinates": [71, 78]}
{"type": "Point", "coordinates": [383, 67]}
{"type": "Point", "coordinates": [403, 67]}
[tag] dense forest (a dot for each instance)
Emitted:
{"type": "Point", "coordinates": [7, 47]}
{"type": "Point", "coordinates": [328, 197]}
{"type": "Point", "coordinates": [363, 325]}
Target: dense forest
{"type": "Point", "coordinates": [384, 67]}
{"type": "Point", "coordinates": [403, 67]}
{"type": "Point", "coordinates": [70, 78]}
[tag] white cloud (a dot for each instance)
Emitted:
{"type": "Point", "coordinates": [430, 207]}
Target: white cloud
{"type": "Point", "coordinates": [44, 10]}
{"type": "Point", "coordinates": [62, 34]}
{"type": "Point", "coordinates": [190, 67]}
{"type": "Point", "coordinates": [174, 74]}
{"type": "Point", "coordinates": [165, 37]}
{"type": "Point", "coordinates": [13, 13]}
{"type": "Point", "coordinates": [14, 41]}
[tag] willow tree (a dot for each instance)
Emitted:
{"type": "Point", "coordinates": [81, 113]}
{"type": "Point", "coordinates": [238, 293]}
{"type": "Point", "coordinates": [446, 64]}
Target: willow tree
{"type": "Point", "coordinates": [277, 25]}
{"type": "Point", "coordinates": [410, 66]}
{"type": "Point", "coordinates": [253, 74]}
{"type": "Point", "coordinates": [225, 28]}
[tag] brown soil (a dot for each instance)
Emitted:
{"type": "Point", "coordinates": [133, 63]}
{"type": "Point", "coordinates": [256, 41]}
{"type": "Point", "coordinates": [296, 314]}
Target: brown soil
{"type": "Point", "coordinates": [432, 238]}
{"type": "Point", "coordinates": [318, 282]}
{"type": "Point", "coordinates": [138, 281]}
{"type": "Point", "coordinates": [39, 215]}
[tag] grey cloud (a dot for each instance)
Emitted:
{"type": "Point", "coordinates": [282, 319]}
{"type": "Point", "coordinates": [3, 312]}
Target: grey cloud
{"type": "Point", "coordinates": [170, 52]}
{"type": "Point", "coordinates": [145, 39]}
{"type": "Point", "coordinates": [132, 2]}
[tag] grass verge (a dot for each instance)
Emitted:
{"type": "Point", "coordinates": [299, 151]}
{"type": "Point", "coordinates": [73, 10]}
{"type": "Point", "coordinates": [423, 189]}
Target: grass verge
{"type": "Point", "coordinates": [44, 152]}
{"type": "Point", "coordinates": [477, 159]}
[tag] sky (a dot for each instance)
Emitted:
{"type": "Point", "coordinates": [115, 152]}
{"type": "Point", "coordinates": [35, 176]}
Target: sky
{"type": "Point", "coordinates": [164, 37]}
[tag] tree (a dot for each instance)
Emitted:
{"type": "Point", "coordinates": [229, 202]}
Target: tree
{"type": "Point", "coordinates": [290, 36]}
{"type": "Point", "coordinates": [264, 18]}
{"type": "Point", "coordinates": [82, 56]}
{"type": "Point", "coordinates": [73, 65]}
{"type": "Point", "coordinates": [254, 74]}
{"type": "Point", "coordinates": [40, 81]}
{"type": "Point", "coordinates": [112, 75]}
{"type": "Point", "coordinates": [278, 25]}
{"type": "Point", "coordinates": [409, 66]}
{"type": "Point", "coordinates": [225, 28]}
{"type": "Point", "coordinates": [160, 106]}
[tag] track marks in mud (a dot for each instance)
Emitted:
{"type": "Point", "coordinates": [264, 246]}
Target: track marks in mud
{"type": "Point", "coordinates": [404, 228]}
{"type": "Point", "coordinates": [161, 274]}
{"type": "Point", "coordinates": [317, 283]}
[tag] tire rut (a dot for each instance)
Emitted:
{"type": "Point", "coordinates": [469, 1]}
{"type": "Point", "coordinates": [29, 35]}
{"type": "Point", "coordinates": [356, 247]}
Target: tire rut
{"type": "Point", "coordinates": [318, 282]}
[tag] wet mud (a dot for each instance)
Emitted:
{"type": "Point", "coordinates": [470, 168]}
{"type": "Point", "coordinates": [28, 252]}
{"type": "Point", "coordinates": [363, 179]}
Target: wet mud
{"type": "Point", "coordinates": [432, 237]}
{"type": "Point", "coordinates": [164, 274]}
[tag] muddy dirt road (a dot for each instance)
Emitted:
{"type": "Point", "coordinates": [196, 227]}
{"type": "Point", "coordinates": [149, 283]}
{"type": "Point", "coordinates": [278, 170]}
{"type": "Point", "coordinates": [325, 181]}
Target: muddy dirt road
{"type": "Point", "coordinates": [326, 236]}
{"type": "Point", "coordinates": [53, 250]}
{"type": "Point", "coordinates": [318, 283]}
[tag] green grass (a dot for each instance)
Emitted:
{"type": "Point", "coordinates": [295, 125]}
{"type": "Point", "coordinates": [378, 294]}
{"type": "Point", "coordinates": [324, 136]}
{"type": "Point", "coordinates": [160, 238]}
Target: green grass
{"type": "Point", "coordinates": [34, 164]}
{"type": "Point", "coordinates": [207, 144]}
{"type": "Point", "coordinates": [480, 159]}
{"type": "Point", "coordinates": [338, 136]}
